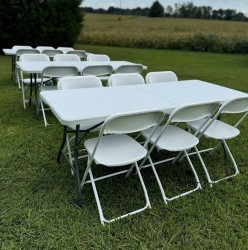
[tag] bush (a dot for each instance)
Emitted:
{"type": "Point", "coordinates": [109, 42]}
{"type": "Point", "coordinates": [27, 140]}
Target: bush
{"type": "Point", "coordinates": [40, 22]}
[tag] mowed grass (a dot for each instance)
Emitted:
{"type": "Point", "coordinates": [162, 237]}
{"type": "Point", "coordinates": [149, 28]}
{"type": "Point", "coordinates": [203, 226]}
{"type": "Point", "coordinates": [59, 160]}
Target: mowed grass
{"type": "Point", "coordinates": [37, 195]}
{"type": "Point", "coordinates": [168, 33]}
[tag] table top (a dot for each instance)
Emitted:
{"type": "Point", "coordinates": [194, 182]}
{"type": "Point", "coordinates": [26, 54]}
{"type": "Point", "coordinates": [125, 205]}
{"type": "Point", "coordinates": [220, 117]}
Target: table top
{"type": "Point", "coordinates": [37, 67]}
{"type": "Point", "coordinates": [93, 105]}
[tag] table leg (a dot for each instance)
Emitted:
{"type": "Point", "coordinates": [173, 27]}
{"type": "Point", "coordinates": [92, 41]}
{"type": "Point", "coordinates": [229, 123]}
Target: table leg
{"type": "Point", "coordinates": [76, 167]}
{"type": "Point", "coordinates": [13, 68]}
{"type": "Point", "coordinates": [62, 144]}
{"type": "Point", "coordinates": [31, 90]}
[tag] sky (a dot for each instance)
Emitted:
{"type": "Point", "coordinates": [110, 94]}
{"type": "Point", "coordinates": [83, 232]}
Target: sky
{"type": "Point", "coordinates": [238, 5]}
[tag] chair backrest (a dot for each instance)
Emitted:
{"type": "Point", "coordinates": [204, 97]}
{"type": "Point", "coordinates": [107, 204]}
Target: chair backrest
{"type": "Point", "coordinates": [135, 68]}
{"type": "Point", "coordinates": [116, 80]}
{"type": "Point", "coordinates": [66, 57]}
{"type": "Point", "coordinates": [81, 53]}
{"type": "Point", "coordinates": [41, 48]}
{"type": "Point", "coordinates": [16, 47]}
{"type": "Point", "coordinates": [161, 76]}
{"type": "Point", "coordinates": [34, 57]}
{"type": "Point", "coordinates": [51, 52]}
{"type": "Point", "coordinates": [98, 57]}
{"type": "Point", "coordinates": [20, 52]}
{"type": "Point", "coordinates": [78, 82]}
{"type": "Point", "coordinates": [97, 70]}
{"type": "Point", "coordinates": [235, 106]}
{"type": "Point", "coordinates": [59, 71]}
{"type": "Point", "coordinates": [132, 122]}
{"type": "Point", "coordinates": [65, 49]}
{"type": "Point", "coordinates": [194, 112]}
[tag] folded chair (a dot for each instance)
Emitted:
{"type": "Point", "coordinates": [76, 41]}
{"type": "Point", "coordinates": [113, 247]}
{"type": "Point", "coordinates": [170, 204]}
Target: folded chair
{"type": "Point", "coordinates": [75, 82]}
{"type": "Point", "coordinates": [222, 131]}
{"type": "Point", "coordinates": [171, 137]}
{"type": "Point", "coordinates": [114, 148]}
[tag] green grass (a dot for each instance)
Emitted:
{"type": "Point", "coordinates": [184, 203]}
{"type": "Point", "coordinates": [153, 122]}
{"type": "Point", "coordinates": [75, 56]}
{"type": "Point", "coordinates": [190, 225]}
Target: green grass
{"type": "Point", "coordinates": [37, 195]}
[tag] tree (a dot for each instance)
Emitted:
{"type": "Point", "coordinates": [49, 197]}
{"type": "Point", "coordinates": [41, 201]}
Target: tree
{"type": "Point", "coordinates": [40, 22]}
{"type": "Point", "coordinates": [156, 10]}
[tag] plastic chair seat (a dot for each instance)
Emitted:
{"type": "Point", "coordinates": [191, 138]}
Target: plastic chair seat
{"type": "Point", "coordinates": [116, 150]}
{"type": "Point", "coordinates": [173, 138]}
{"type": "Point", "coordinates": [38, 80]}
{"type": "Point", "coordinates": [218, 129]}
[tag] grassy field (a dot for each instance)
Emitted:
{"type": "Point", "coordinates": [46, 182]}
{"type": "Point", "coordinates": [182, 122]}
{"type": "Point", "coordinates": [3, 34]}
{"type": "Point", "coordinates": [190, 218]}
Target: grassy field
{"type": "Point", "coordinates": [37, 208]}
{"type": "Point", "coordinates": [169, 33]}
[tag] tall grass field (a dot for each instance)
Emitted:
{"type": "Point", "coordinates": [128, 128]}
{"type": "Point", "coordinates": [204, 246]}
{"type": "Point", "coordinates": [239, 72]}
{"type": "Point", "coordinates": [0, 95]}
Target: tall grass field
{"type": "Point", "coordinates": [165, 33]}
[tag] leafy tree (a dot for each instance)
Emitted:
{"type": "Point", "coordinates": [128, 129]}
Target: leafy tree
{"type": "Point", "coordinates": [40, 22]}
{"type": "Point", "coordinates": [156, 10]}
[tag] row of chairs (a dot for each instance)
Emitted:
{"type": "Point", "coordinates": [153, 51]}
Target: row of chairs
{"type": "Point", "coordinates": [114, 148]}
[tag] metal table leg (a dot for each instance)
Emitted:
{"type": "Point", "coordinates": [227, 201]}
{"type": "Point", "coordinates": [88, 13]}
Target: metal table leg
{"type": "Point", "coordinates": [76, 167]}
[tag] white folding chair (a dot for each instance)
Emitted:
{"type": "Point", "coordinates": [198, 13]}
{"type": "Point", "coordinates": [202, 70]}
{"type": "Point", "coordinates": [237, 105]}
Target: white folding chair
{"type": "Point", "coordinates": [101, 71]}
{"type": "Point", "coordinates": [114, 148]}
{"type": "Point", "coordinates": [171, 137]}
{"type": "Point", "coordinates": [98, 57]}
{"type": "Point", "coordinates": [51, 52]}
{"type": "Point", "coordinates": [76, 82]}
{"type": "Point", "coordinates": [41, 48]}
{"type": "Point", "coordinates": [54, 72]}
{"type": "Point", "coordinates": [20, 52]}
{"type": "Point", "coordinates": [135, 68]}
{"type": "Point", "coordinates": [116, 80]}
{"type": "Point", "coordinates": [16, 47]}
{"type": "Point", "coordinates": [26, 82]}
{"type": "Point", "coordinates": [65, 49]}
{"type": "Point", "coordinates": [81, 53]}
{"type": "Point", "coordinates": [222, 131]}
{"type": "Point", "coordinates": [66, 57]}
{"type": "Point", "coordinates": [161, 76]}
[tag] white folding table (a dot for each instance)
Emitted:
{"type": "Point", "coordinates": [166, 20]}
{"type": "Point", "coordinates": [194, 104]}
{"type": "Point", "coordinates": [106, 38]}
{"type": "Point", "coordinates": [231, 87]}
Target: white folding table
{"type": "Point", "coordinates": [94, 105]}
{"type": "Point", "coordinates": [37, 67]}
{"type": "Point", "coordinates": [34, 68]}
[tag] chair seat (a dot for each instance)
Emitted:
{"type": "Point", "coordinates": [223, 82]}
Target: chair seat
{"type": "Point", "coordinates": [218, 129]}
{"type": "Point", "coordinates": [85, 127]}
{"type": "Point", "coordinates": [38, 80]}
{"type": "Point", "coordinates": [116, 150]}
{"type": "Point", "coordinates": [172, 139]}
{"type": "Point", "coordinates": [48, 88]}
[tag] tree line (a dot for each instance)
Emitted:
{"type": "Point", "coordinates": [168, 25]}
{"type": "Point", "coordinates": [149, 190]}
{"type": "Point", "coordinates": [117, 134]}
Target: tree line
{"type": "Point", "coordinates": [184, 10]}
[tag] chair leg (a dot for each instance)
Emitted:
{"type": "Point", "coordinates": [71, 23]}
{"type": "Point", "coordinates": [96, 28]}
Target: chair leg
{"type": "Point", "coordinates": [100, 211]}
{"type": "Point", "coordinates": [204, 166]}
{"type": "Point", "coordinates": [43, 113]}
{"type": "Point", "coordinates": [158, 180]}
{"type": "Point", "coordinates": [198, 186]}
{"type": "Point", "coordinates": [233, 161]}
{"type": "Point", "coordinates": [97, 198]}
{"type": "Point", "coordinates": [228, 152]}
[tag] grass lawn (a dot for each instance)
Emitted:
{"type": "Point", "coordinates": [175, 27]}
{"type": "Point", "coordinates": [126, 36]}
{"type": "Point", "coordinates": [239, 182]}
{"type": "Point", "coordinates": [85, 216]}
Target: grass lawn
{"type": "Point", "coordinates": [37, 195]}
